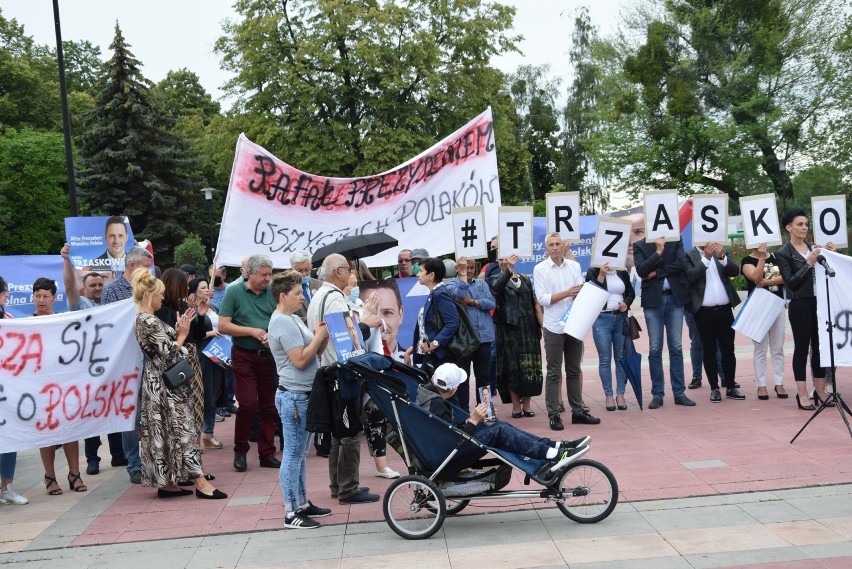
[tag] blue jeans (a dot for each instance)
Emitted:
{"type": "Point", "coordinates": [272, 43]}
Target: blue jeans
{"type": "Point", "coordinates": [696, 349]}
{"type": "Point", "coordinates": [130, 441]}
{"type": "Point", "coordinates": [292, 477]}
{"type": "Point", "coordinates": [608, 333]}
{"type": "Point", "coordinates": [503, 436]}
{"type": "Point", "coordinates": [8, 461]}
{"type": "Point", "coordinates": [670, 317]}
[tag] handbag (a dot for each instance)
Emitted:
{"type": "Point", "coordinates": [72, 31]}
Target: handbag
{"type": "Point", "coordinates": [178, 374]}
{"type": "Point", "coordinates": [466, 340]}
{"type": "Point", "coordinates": [635, 329]}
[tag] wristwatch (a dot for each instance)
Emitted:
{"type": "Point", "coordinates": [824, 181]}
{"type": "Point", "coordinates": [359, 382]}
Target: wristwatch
{"type": "Point", "coordinates": [434, 343]}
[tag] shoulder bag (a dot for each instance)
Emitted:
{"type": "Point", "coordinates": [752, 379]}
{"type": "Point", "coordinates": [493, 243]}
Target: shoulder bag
{"type": "Point", "coordinates": [466, 340]}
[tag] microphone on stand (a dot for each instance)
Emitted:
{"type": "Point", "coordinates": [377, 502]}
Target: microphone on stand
{"type": "Point", "coordinates": [821, 260]}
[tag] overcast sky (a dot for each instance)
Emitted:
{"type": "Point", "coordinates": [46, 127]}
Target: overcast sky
{"type": "Point", "coordinates": [172, 34]}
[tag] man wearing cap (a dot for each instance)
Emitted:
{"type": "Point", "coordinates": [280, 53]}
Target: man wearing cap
{"type": "Point", "coordinates": [501, 435]}
{"type": "Point", "coordinates": [417, 255]}
{"type": "Point", "coordinates": [190, 271]}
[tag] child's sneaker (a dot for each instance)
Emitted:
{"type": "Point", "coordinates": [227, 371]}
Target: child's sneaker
{"type": "Point", "coordinates": [567, 456]}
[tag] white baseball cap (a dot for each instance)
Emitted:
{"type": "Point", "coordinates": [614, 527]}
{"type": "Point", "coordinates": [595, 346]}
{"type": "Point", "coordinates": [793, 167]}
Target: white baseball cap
{"type": "Point", "coordinates": [449, 376]}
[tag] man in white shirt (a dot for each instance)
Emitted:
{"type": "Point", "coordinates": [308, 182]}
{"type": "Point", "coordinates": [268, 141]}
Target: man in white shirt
{"type": "Point", "coordinates": [712, 298]}
{"type": "Point", "coordinates": [557, 281]}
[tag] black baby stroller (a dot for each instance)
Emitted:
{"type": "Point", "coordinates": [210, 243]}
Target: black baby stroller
{"type": "Point", "coordinates": [446, 468]}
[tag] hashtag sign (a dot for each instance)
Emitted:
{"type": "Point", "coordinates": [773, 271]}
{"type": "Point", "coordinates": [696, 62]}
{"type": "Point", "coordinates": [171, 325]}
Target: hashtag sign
{"type": "Point", "coordinates": [469, 233]}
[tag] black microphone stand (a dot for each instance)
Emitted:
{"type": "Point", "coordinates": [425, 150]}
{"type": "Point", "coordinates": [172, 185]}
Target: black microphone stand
{"type": "Point", "coordinates": [834, 399]}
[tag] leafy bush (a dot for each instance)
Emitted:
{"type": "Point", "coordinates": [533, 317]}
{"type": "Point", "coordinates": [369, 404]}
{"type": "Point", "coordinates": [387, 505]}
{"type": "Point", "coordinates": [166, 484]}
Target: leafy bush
{"type": "Point", "coordinates": [191, 251]}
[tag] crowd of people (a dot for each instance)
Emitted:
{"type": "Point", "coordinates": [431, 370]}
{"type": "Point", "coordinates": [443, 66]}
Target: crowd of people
{"type": "Point", "coordinates": [276, 323]}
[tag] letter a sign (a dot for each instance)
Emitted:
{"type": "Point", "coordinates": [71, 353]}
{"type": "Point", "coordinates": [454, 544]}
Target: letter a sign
{"type": "Point", "coordinates": [760, 220]}
{"type": "Point", "coordinates": [661, 216]}
{"type": "Point", "coordinates": [829, 220]}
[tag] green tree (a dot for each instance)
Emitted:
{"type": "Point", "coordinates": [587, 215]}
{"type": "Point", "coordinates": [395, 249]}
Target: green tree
{"type": "Point", "coordinates": [133, 165]}
{"type": "Point", "coordinates": [33, 204]}
{"type": "Point", "coordinates": [534, 95]}
{"type": "Point", "coordinates": [347, 88]}
{"type": "Point", "coordinates": [192, 251]}
{"type": "Point", "coordinates": [577, 169]}
{"type": "Point", "coordinates": [718, 92]}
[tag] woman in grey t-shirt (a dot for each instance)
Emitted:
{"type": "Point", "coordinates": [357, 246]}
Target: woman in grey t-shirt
{"type": "Point", "coordinates": [295, 349]}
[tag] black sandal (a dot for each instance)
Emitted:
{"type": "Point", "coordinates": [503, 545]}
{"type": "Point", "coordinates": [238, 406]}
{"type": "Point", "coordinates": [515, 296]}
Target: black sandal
{"type": "Point", "coordinates": [72, 483]}
{"type": "Point", "coordinates": [48, 481]}
{"type": "Point", "coordinates": [529, 413]}
{"type": "Point", "coordinates": [516, 414]}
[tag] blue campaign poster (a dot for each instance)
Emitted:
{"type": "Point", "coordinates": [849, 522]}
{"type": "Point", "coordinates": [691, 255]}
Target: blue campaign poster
{"type": "Point", "coordinates": [21, 271]}
{"type": "Point", "coordinates": [219, 351]}
{"type": "Point", "coordinates": [345, 335]}
{"type": "Point", "coordinates": [97, 245]}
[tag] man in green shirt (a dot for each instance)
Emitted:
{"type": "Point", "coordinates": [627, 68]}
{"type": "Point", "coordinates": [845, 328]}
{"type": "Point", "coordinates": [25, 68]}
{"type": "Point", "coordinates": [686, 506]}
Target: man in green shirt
{"type": "Point", "coordinates": [244, 315]}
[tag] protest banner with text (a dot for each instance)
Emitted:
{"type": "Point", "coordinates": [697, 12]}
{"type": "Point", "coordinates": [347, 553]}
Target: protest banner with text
{"type": "Point", "coordinates": [841, 309]}
{"type": "Point", "coordinates": [68, 376]}
{"type": "Point", "coordinates": [275, 209]}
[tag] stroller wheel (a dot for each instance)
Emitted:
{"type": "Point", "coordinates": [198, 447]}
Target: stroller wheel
{"type": "Point", "coordinates": [454, 505]}
{"type": "Point", "coordinates": [414, 507]}
{"type": "Point", "coordinates": [589, 492]}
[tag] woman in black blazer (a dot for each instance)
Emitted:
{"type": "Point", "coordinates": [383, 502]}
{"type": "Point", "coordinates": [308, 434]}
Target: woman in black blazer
{"type": "Point", "coordinates": [608, 330]}
{"type": "Point", "coordinates": [796, 260]}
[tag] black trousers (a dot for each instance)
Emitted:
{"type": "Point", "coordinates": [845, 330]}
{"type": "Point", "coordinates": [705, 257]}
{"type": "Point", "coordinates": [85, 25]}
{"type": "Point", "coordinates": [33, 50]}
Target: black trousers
{"type": "Point", "coordinates": [803, 321]}
{"type": "Point", "coordinates": [714, 327]}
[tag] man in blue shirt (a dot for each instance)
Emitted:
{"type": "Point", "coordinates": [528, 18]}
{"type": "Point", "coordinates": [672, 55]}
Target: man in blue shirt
{"type": "Point", "coordinates": [475, 295]}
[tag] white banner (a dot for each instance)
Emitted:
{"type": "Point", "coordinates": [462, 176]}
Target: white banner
{"type": "Point", "coordinates": [757, 315]}
{"type": "Point", "coordinates": [274, 209]}
{"type": "Point", "coordinates": [68, 376]}
{"type": "Point", "coordinates": [841, 309]}
{"type": "Point", "coordinates": [585, 309]}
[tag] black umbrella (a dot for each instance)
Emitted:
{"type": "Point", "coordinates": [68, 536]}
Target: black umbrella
{"type": "Point", "coordinates": [356, 247]}
{"type": "Point", "coordinates": [632, 364]}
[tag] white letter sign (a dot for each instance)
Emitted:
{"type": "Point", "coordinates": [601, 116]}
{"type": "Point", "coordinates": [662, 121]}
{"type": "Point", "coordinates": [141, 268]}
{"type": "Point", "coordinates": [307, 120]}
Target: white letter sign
{"type": "Point", "coordinates": [661, 216]}
{"type": "Point", "coordinates": [469, 232]}
{"type": "Point", "coordinates": [709, 219]}
{"type": "Point", "coordinates": [563, 215]}
{"type": "Point", "coordinates": [515, 231]}
{"type": "Point", "coordinates": [611, 241]}
{"type": "Point", "coordinates": [760, 220]}
{"type": "Point", "coordinates": [829, 220]}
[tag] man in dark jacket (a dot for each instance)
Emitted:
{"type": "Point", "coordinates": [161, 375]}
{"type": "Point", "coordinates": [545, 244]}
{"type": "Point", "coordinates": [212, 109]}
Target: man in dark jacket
{"type": "Point", "coordinates": [712, 298]}
{"type": "Point", "coordinates": [500, 435]}
{"type": "Point", "coordinates": [661, 266]}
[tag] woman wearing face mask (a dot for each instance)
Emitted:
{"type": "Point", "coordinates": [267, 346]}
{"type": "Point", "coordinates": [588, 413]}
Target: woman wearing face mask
{"type": "Point", "coordinates": [375, 423]}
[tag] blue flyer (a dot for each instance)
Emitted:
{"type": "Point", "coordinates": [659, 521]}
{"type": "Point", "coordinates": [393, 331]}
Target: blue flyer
{"type": "Point", "coordinates": [99, 243]}
{"type": "Point", "coordinates": [218, 350]}
{"type": "Point", "coordinates": [345, 335]}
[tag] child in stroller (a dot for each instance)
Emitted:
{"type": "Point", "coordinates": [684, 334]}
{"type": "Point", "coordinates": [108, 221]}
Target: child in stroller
{"type": "Point", "coordinates": [500, 435]}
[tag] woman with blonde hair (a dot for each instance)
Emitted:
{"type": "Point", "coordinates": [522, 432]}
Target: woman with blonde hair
{"type": "Point", "coordinates": [168, 435]}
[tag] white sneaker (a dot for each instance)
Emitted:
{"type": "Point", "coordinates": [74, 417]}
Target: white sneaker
{"type": "Point", "coordinates": [9, 496]}
{"type": "Point", "coordinates": [388, 472]}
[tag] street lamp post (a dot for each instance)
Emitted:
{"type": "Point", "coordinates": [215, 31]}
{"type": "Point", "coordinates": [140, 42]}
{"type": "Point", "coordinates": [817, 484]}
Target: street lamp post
{"type": "Point", "coordinates": [592, 190]}
{"type": "Point", "coordinates": [208, 199]}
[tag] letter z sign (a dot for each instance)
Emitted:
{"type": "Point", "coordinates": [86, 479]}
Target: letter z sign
{"type": "Point", "coordinates": [611, 241]}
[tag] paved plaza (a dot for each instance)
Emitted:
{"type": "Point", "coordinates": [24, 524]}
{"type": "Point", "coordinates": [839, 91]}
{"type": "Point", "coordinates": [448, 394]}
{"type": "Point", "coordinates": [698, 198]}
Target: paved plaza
{"type": "Point", "coordinates": [717, 485]}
